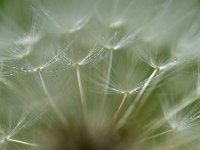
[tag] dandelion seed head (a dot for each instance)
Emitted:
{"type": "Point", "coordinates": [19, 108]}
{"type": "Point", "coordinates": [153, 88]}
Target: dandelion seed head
{"type": "Point", "coordinates": [89, 74]}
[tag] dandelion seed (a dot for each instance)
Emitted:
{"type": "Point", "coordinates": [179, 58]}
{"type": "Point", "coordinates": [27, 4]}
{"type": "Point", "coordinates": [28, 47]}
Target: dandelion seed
{"type": "Point", "coordinates": [78, 25]}
{"type": "Point", "coordinates": [129, 110]}
{"type": "Point", "coordinates": [21, 142]}
{"type": "Point", "coordinates": [57, 111]}
{"type": "Point", "coordinates": [120, 106]}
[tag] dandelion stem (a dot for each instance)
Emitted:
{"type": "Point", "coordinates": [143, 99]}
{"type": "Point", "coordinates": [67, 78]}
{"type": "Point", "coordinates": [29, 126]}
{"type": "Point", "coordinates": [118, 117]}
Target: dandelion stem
{"type": "Point", "coordinates": [57, 111]}
{"type": "Point", "coordinates": [198, 78]}
{"type": "Point", "coordinates": [106, 86]}
{"type": "Point", "coordinates": [133, 104]}
{"type": "Point", "coordinates": [82, 99]}
{"type": "Point", "coordinates": [21, 142]}
{"type": "Point", "coordinates": [156, 135]}
{"type": "Point", "coordinates": [119, 108]}
{"type": "Point", "coordinates": [108, 77]}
